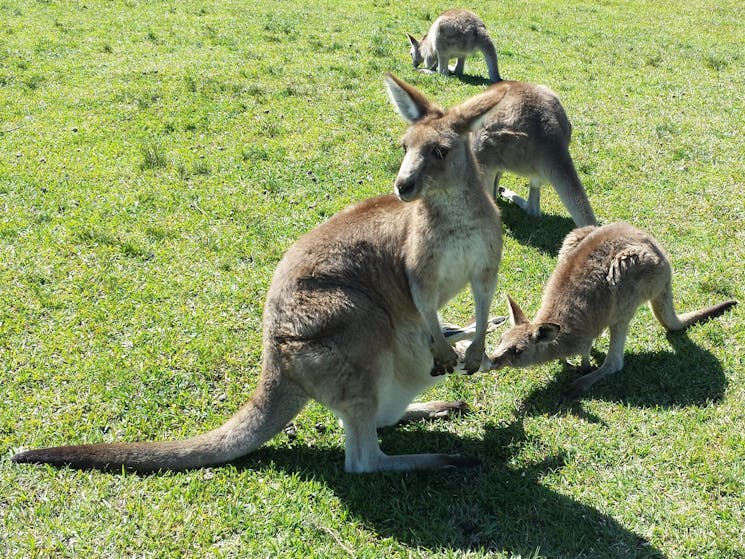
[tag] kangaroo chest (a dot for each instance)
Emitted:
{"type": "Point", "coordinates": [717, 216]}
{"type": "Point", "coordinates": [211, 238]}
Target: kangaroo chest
{"type": "Point", "coordinates": [457, 254]}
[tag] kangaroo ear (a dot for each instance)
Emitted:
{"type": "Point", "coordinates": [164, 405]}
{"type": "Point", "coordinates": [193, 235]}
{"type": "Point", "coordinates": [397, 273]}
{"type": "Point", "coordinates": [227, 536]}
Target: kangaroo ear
{"type": "Point", "coordinates": [411, 104]}
{"type": "Point", "coordinates": [546, 332]}
{"type": "Point", "coordinates": [517, 316]}
{"type": "Point", "coordinates": [412, 40]}
{"type": "Point", "coordinates": [469, 115]}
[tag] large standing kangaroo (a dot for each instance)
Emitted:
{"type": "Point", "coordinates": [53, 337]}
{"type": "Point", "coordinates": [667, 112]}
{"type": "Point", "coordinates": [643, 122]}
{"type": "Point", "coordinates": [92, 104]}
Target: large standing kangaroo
{"type": "Point", "coordinates": [350, 318]}
{"type": "Point", "coordinates": [602, 276]}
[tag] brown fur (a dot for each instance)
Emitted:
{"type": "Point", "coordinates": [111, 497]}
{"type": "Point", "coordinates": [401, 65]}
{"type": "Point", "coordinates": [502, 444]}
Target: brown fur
{"type": "Point", "coordinates": [603, 275]}
{"type": "Point", "coordinates": [528, 133]}
{"type": "Point", "coordinates": [350, 318]}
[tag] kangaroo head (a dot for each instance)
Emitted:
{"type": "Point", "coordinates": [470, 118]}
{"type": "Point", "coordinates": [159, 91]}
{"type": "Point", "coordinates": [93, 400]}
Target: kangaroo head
{"type": "Point", "coordinates": [525, 343]}
{"type": "Point", "coordinates": [416, 51]}
{"type": "Point", "coordinates": [437, 155]}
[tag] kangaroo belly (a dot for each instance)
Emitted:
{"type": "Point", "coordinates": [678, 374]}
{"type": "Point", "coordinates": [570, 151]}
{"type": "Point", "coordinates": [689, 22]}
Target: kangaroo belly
{"type": "Point", "coordinates": [463, 259]}
{"type": "Point", "coordinates": [409, 374]}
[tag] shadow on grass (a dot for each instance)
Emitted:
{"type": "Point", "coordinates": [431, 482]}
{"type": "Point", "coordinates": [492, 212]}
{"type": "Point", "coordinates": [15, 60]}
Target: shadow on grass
{"type": "Point", "coordinates": [686, 376]}
{"type": "Point", "coordinates": [545, 232]}
{"type": "Point", "coordinates": [495, 507]}
{"type": "Point", "coordinates": [473, 79]}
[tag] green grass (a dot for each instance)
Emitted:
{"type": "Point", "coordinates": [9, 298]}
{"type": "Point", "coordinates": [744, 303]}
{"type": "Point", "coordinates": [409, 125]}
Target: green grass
{"type": "Point", "coordinates": [157, 158]}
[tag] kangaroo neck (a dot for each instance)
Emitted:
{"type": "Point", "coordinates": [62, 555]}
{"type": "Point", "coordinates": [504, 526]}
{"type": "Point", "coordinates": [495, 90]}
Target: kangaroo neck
{"type": "Point", "coordinates": [428, 52]}
{"type": "Point", "coordinates": [454, 204]}
{"type": "Point", "coordinates": [572, 338]}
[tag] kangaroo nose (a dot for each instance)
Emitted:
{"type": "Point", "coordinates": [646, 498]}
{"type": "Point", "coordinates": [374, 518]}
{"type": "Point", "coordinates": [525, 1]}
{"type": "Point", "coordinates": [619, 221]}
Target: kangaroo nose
{"type": "Point", "coordinates": [496, 361]}
{"type": "Point", "coordinates": [404, 188]}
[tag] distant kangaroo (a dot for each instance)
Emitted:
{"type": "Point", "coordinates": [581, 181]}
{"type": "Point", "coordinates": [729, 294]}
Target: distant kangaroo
{"type": "Point", "coordinates": [350, 318]}
{"type": "Point", "coordinates": [528, 133]}
{"type": "Point", "coordinates": [602, 276]}
{"type": "Point", "coordinates": [454, 34]}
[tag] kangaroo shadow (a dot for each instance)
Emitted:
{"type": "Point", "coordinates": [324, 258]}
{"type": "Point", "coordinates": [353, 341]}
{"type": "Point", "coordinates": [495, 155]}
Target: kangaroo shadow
{"type": "Point", "coordinates": [494, 507]}
{"type": "Point", "coordinates": [686, 376]}
{"type": "Point", "coordinates": [545, 232]}
{"type": "Point", "coordinates": [473, 79]}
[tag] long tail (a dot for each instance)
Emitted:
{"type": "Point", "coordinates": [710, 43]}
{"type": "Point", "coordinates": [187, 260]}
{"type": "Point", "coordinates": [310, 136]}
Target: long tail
{"type": "Point", "coordinates": [662, 307]}
{"type": "Point", "coordinates": [569, 187]}
{"type": "Point", "coordinates": [490, 54]}
{"type": "Point", "coordinates": [272, 406]}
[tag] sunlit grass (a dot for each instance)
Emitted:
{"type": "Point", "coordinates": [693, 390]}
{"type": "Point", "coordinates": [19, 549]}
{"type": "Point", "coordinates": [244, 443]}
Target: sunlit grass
{"type": "Point", "coordinates": [156, 159]}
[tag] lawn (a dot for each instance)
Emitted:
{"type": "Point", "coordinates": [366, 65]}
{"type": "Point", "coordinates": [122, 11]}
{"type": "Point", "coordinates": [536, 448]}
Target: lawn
{"type": "Point", "coordinates": [157, 158]}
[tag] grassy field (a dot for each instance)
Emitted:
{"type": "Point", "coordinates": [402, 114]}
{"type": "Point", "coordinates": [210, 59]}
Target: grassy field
{"type": "Point", "coordinates": [157, 158]}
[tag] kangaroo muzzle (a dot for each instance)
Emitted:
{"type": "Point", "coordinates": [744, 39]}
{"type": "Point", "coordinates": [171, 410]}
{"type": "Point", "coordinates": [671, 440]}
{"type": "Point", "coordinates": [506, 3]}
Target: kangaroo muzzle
{"type": "Point", "coordinates": [406, 189]}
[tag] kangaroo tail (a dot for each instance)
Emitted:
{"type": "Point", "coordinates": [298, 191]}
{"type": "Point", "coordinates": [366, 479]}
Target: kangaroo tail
{"type": "Point", "coordinates": [490, 54]}
{"type": "Point", "coordinates": [275, 402]}
{"type": "Point", "coordinates": [569, 187]}
{"type": "Point", "coordinates": [662, 307]}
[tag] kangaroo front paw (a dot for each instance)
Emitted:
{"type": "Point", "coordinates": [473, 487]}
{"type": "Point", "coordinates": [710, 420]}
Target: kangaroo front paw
{"type": "Point", "coordinates": [473, 359]}
{"type": "Point", "coordinates": [445, 361]}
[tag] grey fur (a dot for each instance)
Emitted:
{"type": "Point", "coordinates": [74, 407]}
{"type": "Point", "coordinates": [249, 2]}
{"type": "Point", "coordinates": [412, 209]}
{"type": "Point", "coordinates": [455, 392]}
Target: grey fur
{"type": "Point", "coordinates": [454, 34]}
{"type": "Point", "coordinates": [602, 276]}
{"type": "Point", "coordinates": [528, 133]}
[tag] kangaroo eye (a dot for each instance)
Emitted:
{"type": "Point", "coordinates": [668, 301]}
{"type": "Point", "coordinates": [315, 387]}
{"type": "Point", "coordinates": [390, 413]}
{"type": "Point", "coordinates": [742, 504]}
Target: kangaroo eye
{"type": "Point", "coordinates": [517, 352]}
{"type": "Point", "coordinates": [440, 152]}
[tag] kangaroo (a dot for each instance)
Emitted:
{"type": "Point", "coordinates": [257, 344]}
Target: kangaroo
{"type": "Point", "coordinates": [350, 319]}
{"type": "Point", "coordinates": [602, 276]}
{"type": "Point", "coordinates": [528, 133]}
{"type": "Point", "coordinates": [454, 34]}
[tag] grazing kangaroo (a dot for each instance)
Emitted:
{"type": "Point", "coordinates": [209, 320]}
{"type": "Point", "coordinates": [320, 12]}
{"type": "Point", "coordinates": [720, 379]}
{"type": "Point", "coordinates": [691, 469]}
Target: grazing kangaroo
{"type": "Point", "coordinates": [528, 133]}
{"type": "Point", "coordinates": [602, 276]}
{"type": "Point", "coordinates": [454, 34]}
{"type": "Point", "coordinates": [350, 318]}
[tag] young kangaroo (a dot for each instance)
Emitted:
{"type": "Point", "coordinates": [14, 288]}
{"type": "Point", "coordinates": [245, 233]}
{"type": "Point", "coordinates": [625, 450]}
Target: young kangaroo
{"type": "Point", "coordinates": [528, 133]}
{"type": "Point", "coordinates": [454, 34]}
{"type": "Point", "coordinates": [602, 276]}
{"type": "Point", "coordinates": [350, 318]}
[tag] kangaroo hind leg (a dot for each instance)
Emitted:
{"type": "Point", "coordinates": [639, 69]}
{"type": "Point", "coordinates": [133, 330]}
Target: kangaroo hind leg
{"type": "Point", "coordinates": [362, 453]}
{"type": "Point", "coordinates": [633, 260]}
{"type": "Point", "coordinates": [459, 66]}
{"type": "Point", "coordinates": [531, 206]}
{"type": "Point", "coordinates": [436, 409]}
